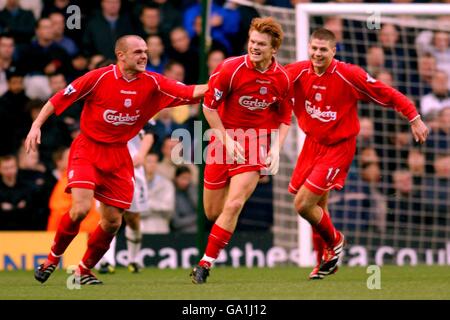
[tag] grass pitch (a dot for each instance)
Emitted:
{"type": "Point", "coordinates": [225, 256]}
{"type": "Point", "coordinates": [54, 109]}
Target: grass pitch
{"type": "Point", "coordinates": [225, 283]}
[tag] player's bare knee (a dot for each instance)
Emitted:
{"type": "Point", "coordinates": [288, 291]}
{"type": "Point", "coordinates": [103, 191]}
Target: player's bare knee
{"type": "Point", "coordinates": [211, 215]}
{"type": "Point", "coordinates": [111, 225]}
{"type": "Point", "coordinates": [302, 206]}
{"type": "Point", "coordinates": [212, 212]}
{"type": "Point", "coordinates": [234, 205]}
{"type": "Point", "coordinates": [79, 210]}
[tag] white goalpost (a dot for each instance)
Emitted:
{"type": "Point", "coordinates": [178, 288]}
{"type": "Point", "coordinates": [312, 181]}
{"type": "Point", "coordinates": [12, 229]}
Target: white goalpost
{"type": "Point", "coordinates": [382, 224]}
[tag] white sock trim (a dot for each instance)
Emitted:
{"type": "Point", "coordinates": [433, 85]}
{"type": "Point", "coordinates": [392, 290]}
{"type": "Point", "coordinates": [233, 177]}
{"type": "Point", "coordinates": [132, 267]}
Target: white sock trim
{"type": "Point", "coordinates": [208, 259]}
{"type": "Point", "coordinates": [54, 255]}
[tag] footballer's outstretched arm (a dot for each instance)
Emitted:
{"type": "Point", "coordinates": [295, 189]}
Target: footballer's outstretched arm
{"type": "Point", "coordinates": [199, 91]}
{"type": "Point", "coordinates": [34, 135]}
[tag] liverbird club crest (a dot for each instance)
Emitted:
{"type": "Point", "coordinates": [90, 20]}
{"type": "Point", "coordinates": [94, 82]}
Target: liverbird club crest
{"type": "Point", "coordinates": [263, 90]}
{"type": "Point", "coordinates": [127, 103]}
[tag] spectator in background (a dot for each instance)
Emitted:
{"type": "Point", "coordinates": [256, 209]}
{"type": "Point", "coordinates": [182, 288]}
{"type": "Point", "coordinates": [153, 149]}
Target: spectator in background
{"type": "Point", "coordinates": [166, 167]}
{"type": "Point", "coordinates": [42, 58]}
{"type": "Point", "coordinates": [438, 45]}
{"type": "Point", "coordinates": [165, 124]}
{"type": "Point", "coordinates": [385, 77]}
{"type": "Point", "coordinates": [416, 165]}
{"type": "Point", "coordinates": [437, 99]}
{"type": "Point", "coordinates": [175, 70]}
{"type": "Point", "coordinates": [388, 38]}
{"type": "Point", "coordinates": [58, 21]}
{"type": "Point", "coordinates": [17, 22]}
{"type": "Point", "coordinates": [215, 57]}
{"type": "Point", "coordinates": [54, 133]}
{"type": "Point", "coordinates": [72, 115]}
{"type": "Point", "coordinates": [170, 16]}
{"type": "Point", "coordinates": [185, 217]}
{"type": "Point", "coordinates": [213, 45]}
{"type": "Point", "coordinates": [182, 52]}
{"type": "Point", "coordinates": [55, 6]}
{"type": "Point", "coordinates": [439, 139]}
{"type": "Point", "coordinates": [405, 205]}
{"type": "Point", "coordinates": [79, 65]}
{"type": "Point", "coordinates": [104, 28]}
{"type": "Point", "coordinates": [40, 179]}
{"type": "Point", "coordinates": [150, 23]}
{"type": "Point", "coordinates": [60, 158]}
{"type": "Point", "coordinates": [366, 133]}
{"type": "Point", "coordinates": [95, 61]}
{"type": "Point", "coordinates": [60, 201]}
{"type": "Point", "coordinates": [16, 207]}
{"type": "Point", "coordinates": [375, 61]}
{"type": "Point", "coordinates": [247, 14]}
{"type": "Point", "coordinates": [371, 174]}
{"type": "Point", "coordinates": [161, 198]}
{"type": "Point", "coordinates": [157, 59]}
{"type": "Point", "coordinates": [224, 23]}
{"type": "Point", "coordinates": [437, 190]}
{"type": "Point", "coordinates": [8, 60]}
{"type": "Point", "coordinates": [14, 118]}
{"type": "Point", "coordinates": [61, 6]}
{"type": "Point", "coordinates": [420, 84]}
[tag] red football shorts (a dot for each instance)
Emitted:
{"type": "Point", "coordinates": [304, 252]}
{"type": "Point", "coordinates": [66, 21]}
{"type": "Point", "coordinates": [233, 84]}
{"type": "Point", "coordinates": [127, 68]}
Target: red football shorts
{"type": "Point", "coordinates": [322, 168]}
{"type": "Point", "coordinates": [220, 167]}
{"type": "Point", "coordinates": [107, 169]}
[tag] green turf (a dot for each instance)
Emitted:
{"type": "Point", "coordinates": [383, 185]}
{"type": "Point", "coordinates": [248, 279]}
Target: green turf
{"type": "Point", "coordinates": [421, 282]}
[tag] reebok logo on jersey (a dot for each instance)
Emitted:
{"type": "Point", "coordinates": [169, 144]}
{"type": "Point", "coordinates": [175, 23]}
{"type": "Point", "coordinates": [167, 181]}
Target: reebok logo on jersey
{"type": "Point", "coordinates": [110, 116]}
{"type": "Point", "coordinates": [127, 92]}
{"type": "Point", "coordinates": [69, 90]}
{"type": "Point", "coordinates": [254, 104]}
{"type": "Point", "coordinates": [316, 113]}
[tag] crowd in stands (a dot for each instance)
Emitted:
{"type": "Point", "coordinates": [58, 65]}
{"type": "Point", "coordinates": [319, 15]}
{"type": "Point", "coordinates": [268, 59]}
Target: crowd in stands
{"type": "Point", "coordinates": [393, 178]}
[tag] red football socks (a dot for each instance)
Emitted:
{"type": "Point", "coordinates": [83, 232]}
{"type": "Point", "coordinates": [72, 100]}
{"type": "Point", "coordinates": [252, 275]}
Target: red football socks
{"type": "Point", "coordinates": [318, 244]}
{"type": "Point", "coordinates": [98, 244]}
{"type": "Point", "coordinates": [326, 229]}
{"type": "Point", "coordinates": [217, 240]}
{"type": "Point", "coordinates": [67, 230]}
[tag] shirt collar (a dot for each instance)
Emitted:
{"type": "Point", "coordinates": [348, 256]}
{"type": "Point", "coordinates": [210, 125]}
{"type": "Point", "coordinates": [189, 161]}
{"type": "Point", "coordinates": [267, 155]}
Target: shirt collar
{"type": "Point", "coordinates": [331, 68]}
{"type": "Point", "coordinates": [118, 74]}
{"type": "Point", "coordinates": [273, 66]}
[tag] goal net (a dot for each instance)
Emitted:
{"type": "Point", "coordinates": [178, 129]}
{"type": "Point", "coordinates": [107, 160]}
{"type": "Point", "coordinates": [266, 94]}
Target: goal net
{"type": "Point", "coordinates": [395, 207]}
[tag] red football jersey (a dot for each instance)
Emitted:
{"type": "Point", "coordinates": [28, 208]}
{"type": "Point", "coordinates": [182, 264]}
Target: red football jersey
{"type": "Point", "coordinates": [326, 105]}
{"type": "Point", "coordinates": [247, 98]}
{"type": "Point", "coordinates": [115, 108]}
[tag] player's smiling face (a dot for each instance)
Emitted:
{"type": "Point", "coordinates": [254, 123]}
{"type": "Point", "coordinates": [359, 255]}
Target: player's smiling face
{"type": "Point", "coordinates": [260, 49]}
{"type": "Point", "coordinates": [321, 53]}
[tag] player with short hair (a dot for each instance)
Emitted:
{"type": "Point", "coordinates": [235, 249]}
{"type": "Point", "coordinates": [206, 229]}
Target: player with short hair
{"type": "Point", "coordinates": [119, 100]}
{"type": "Point", "coordinates": [326, 92]}
{"type": "Point", "coordinates": [243, 104]}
